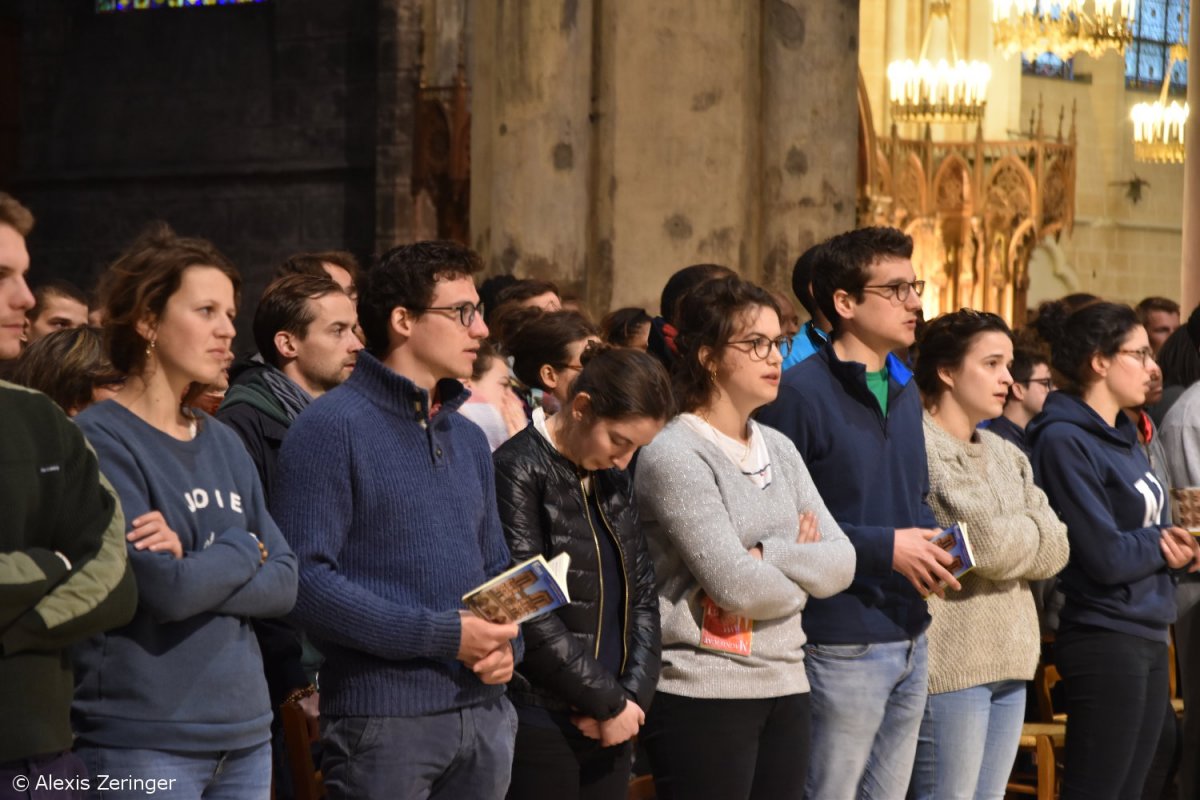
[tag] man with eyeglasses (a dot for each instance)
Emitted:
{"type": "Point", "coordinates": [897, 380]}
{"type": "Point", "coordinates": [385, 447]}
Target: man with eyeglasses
{"type": "Point", "coordinates": [387, 497]}
{"type": "Point", "coordinates": [854, 414]}
{"type": "Point", "coordinates": [1030, 387]}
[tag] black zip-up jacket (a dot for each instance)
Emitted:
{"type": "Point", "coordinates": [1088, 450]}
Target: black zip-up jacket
{"type": "Point", "coordinates": [544, 511]}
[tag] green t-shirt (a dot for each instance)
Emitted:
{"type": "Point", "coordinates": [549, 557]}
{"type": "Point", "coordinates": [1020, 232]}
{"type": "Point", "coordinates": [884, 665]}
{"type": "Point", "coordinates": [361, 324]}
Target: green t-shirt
{"type": "Point", "coordinates": [877, 382]}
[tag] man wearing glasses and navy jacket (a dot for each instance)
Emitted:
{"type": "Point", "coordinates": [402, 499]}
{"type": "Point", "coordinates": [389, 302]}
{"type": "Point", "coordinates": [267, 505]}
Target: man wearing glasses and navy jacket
{"type": "Point", "coordinates": [855, 416]}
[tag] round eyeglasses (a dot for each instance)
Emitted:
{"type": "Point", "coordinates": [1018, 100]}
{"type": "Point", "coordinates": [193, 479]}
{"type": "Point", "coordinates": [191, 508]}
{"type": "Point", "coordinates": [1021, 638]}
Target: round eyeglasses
{"type": "Point", "coordinates": [466, 312]}
{"type": "Point", "coordinates": [760, 346]}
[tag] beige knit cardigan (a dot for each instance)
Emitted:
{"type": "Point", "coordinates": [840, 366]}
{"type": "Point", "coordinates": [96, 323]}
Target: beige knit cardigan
{"type": "Point", "coordinates": [989, 631]}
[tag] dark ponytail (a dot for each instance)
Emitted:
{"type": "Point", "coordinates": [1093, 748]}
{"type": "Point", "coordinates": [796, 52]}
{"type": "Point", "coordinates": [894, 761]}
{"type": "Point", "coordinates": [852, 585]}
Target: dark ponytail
{"type": "Point", "coordinates": [1075, 336]}
{"type": "Point", "coordinates": [622, 382]}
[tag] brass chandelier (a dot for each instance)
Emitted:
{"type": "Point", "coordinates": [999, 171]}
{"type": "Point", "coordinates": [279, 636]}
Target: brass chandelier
{"type": "Point", "coordinates": [944, 92]}
{"type": "Point", "coordinates": [1064, 28]}
{"type": "Point", "coordinates": [1158, 128]}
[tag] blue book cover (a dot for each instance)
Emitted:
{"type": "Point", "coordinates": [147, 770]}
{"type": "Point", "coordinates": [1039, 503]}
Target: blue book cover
{"type": "Point", "coordinates": [527, 591]}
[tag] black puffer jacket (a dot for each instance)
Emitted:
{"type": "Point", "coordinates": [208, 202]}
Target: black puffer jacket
{"type": "Point", "coordinates": [544, 511]}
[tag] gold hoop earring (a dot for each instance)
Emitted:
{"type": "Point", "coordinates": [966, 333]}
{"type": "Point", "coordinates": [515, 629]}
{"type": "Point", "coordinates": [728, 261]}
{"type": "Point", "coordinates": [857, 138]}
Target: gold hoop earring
{"type": "Point", "coordinates": [712, 375]}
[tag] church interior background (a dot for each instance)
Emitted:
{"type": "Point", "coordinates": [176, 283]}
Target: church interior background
{"type": "Point", "coordinates": [602, 144]}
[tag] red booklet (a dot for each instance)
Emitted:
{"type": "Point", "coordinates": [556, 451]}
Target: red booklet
{"type": "Point", "coordinates": [725, 632]}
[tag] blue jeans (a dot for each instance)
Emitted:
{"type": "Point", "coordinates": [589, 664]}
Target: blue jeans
{"type": "Point", "coordinates": [464, 753]}
{"type": "Point", "coordinates": [867, 704]}
{"type": "Point", "coordinates": [968, 742]}
{"type": "Point", "coordinates": [127, 774]}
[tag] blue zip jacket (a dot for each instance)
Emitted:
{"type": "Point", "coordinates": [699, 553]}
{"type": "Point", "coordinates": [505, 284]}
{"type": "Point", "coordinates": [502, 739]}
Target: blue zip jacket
{"type": "Point", "coordinates": [872, 474]}
{"type": "Point", "coordinates": [1103, 488]}
{"type": "Point", "coordinates": [805, 344]}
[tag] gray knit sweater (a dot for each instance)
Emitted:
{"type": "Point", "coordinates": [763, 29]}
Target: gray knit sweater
{"type": "Point", "coordinates": [989, 631]}
{"type": "Point", "coordinates": [701, 515]}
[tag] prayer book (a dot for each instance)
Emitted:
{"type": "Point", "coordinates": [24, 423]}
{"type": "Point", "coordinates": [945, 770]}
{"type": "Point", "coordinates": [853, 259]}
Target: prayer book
{"type": "Point", "coordinates": [527, 591]}
{"type": "Point", "coordinates": [955, 542]}
{"type": "Point", "coordinates": [724, 632]}
{"type": "Point", "coordinates": [1185, 508]}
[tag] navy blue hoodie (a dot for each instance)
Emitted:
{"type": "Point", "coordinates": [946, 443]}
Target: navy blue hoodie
{"type": "Point", "coordinates": [872, 473]}
{"type": "Point", "coordinates": [1102, 486]}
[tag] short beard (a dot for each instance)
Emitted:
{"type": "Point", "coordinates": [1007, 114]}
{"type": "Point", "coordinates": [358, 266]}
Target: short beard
{"type": "Point", "coordinates": [325, 381]}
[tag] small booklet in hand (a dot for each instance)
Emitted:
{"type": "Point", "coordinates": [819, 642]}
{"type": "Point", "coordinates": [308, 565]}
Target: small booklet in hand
{"type": "Point", "coordinates": [527, 591]}
{"type": "Point", "coordinates": [955, 542]}
{"type": "Point", "coordinates": [1185, 508]}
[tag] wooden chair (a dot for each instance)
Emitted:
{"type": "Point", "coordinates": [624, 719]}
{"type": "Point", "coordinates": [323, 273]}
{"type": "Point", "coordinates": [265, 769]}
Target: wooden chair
{"type": "Point", "coordinates": [307, 783]}
{"type": "Point", "coordinates": [642, 788]}
{"type": "Point", "coordinates": [1044, 740]}
{"type": "Point", "coordinates": [1173, 675]}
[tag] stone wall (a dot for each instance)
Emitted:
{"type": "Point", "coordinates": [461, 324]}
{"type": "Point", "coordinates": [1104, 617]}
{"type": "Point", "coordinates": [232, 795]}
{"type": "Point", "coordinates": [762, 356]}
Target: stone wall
{"type": "Point", "coordinates": [616, 142]}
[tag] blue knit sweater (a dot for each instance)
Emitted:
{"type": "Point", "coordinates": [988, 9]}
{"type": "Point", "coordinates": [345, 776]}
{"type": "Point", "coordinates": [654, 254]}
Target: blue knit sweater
{"type": "Point", "coordinates": [392, 515]}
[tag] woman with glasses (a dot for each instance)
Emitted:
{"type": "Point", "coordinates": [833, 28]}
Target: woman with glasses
{"type": "Point", "coordinates": [590, 667]}
{"type": "Point", "coordinates": [1111, 647]}
{"type": "Point", "coordinates": [180, 693]}
{"type": "Point", "coordinates": [740, 539]}
{"type": "Point", "coordinates": [545, 349]}
{"type": "Point", "coordinates": [984, 640]}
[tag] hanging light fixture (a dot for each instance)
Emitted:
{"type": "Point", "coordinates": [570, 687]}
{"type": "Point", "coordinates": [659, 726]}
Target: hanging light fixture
{"type": "Point", "coordinates": [1158, 128]}
{"type": "Point", "coordinates": [1064, 28]}
{"type": "Point", "coordinates": [944, 92]}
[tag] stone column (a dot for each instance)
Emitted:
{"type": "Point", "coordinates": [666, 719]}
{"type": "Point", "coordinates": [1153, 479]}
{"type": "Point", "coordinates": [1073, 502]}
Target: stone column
{"type": "Point", "coordinates": [810, 128]}
{"type": "Point", "coordinates": [1190, 272]}
{"type": "Point", "coordinates": [677, 144]}
{"type": "Point", "coordinates": [530, 137]}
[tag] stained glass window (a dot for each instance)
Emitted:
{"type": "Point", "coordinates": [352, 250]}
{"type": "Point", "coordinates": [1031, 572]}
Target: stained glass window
{"type": "Point", "coordinates": [1157, 25]}
{"type": "Point", "coordinates": [105, 6]}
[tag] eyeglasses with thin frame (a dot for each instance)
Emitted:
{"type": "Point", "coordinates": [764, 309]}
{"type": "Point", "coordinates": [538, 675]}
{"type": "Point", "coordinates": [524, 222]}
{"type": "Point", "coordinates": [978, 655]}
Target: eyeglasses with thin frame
{"type": "Point", "coordinates": [466, 312]}
{"type": "Point", "coordinates": [1045, 383]}
{"type": "Point", "coordinates": [760, 346]}
{"type": "Point", "coordinates": [898, 292]}
{"type": "Point", "coordinates": [1143, 355]}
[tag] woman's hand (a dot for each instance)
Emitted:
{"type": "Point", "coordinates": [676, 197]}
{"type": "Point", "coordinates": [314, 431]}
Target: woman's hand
{"type": "Point", "coordinates": [623, 726]}
{"type": "Point", "coordinates": [614, 731]}
{"type": "Point", "coordinates": [151, 532]}
{"type": "Point", "coordinates": [1180, 549]}
{"type": "Point", "coordinates": [512, 412]}
{"type": "Point", "coordinates": [808, 534]}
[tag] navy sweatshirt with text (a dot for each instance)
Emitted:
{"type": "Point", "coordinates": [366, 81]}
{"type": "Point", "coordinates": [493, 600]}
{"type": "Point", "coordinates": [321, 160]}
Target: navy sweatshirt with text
{"type": "Point", "coordinates": [186, 674]}
{"type": "Point", "coordinates": [1099, 481]}
{"type": "Point", "coordinates": [872, 473]}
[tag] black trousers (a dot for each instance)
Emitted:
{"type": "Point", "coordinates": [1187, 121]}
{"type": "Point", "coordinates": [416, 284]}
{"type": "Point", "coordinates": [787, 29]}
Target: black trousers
{"type": "Point", "coordinates": [1116, 692]}
{"type": "Point", "coordinates": [566, 765]}
{"type": "Point", "coordinates": [728, 749]}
